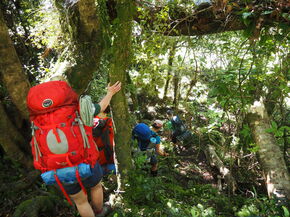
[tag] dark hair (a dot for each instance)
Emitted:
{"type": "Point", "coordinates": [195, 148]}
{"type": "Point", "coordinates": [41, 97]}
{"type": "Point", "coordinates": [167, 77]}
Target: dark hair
{"type": "Point", "coordinates": [155, 126]}
{"type": "Point", "coordinates": [169, 112]}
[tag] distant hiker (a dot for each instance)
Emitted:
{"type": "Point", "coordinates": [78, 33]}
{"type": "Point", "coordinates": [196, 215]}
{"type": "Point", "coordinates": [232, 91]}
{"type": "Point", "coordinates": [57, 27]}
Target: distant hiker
{"type": "Point", "coordinates": [180, 134]}
{"type": "Point", "coordinates": [62, 143]}
{"type": "Point", "coordinates": [149, 141]}
{"type": "Point", "coordinates": [103, 134]}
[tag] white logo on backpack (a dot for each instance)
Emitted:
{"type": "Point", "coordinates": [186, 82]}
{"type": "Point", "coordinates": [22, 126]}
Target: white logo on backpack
{"type": "Point", "coordinates": [53, 145]}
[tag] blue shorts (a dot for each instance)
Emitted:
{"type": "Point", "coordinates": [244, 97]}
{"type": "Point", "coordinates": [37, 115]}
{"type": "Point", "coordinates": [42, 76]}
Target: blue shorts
{"type": "Point", "coordinates": [88, 182]}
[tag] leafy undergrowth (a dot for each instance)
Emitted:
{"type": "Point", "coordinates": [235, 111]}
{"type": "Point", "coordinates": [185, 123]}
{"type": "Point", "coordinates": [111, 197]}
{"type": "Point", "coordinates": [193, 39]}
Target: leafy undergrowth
{"type": "Point", "coordinates": [186, 186]}
{"type": "Point", "coordinates": [29, 199]}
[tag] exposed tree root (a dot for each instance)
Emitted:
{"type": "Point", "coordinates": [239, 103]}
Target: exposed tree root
{"type": "Point", "coordinates": [214, 160]}
{"type": "Point", "coordinates": [22, 184]}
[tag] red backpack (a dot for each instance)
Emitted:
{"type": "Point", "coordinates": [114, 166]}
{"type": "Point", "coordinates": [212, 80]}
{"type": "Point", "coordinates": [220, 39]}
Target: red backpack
{"type": "Point", "coordinates": [104, 137]}
{"type": "Point", "coordinates": [59, 137]}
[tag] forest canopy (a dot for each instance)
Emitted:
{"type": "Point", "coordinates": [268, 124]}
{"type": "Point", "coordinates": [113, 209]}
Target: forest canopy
{"type": "Point", "coordinates": [222, 66]}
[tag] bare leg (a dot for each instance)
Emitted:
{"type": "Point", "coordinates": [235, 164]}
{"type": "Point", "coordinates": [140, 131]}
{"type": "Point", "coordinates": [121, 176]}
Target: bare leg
{"type": "Point", "coordinates": [82, 203]}
{"type": "Point", "coordinates": [97, 197]}
{"type": "Point", "coordinates": [154, 167]}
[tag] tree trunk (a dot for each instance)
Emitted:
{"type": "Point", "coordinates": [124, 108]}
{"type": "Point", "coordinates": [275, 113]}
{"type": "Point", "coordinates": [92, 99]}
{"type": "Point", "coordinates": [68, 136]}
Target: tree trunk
{"type": "Point", "coordinates": [79, 20]}
{"type": "Point", "coordinates": [176, 81]}
{"type": "Point", "coordinates": [10, 138]}
{"type": "Point", "coordinates": [172, 52]}
{"type": "Point", "coordinates": [270, 154]}
{"type": "Point", "coordinates": [119, 64]}
{"type": "Point", "coordinates": [191, 85]}
{"type": "Point", "coordinates": [17, 86]}
{"type": "Point", "coordinates": [193, 80]}
{"type": "Point", "coordinates": [168, 77]}
{"type": "Point", "coordinates": [11, 69]}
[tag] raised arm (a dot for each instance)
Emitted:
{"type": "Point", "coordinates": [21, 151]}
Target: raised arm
{"type": "Point", "coordinates": [111, 90]}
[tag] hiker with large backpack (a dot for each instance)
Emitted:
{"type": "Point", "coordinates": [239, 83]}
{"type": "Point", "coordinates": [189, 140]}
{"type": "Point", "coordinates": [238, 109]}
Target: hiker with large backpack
{"type": "Point", "coordinates": [149, 142]}
{"type": "Point", "coordinates": [180, 134]}
{"type": "Point", "coordinates": [103, 134]}
{"type": "Point", "coordinates": [62, 143]}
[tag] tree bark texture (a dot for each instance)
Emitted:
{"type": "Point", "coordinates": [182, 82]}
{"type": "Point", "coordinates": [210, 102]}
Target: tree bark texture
{"type": "Point", "coordinates": [21, 185]}
{"type": "Point", "coordinates": [10, 140]}
{"type": "Point", "coordinates": [176, 88]}
{"type": "Point", "coordinates": [191, 85]}
{"type": "Point", "coordinates": [270, 154]}
{"type": "Point", "coordinates": [11, 70]}
{"type": "Point", "coordinates": [119, 64]}
{"type": "Point", "coordinates": [79, 19]}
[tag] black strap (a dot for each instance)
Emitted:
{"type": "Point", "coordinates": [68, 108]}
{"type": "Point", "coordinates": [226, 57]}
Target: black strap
{"type": "Point", "coordinates": [105, 136]}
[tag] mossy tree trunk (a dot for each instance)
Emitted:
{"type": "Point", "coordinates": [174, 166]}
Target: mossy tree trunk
{"type": "Point", "coordinates": [120, 59]}
{"type": "Point", "coordinates": [79, 20]}
{"type": "Point", "coordinates": [11, 139]}
{"type": "Point", "coordinates": [12, 74]}
{"type": "Point", "coordinates": [270, 154]}
{"type": "Point", "coordinates": [176, 88]}
{"type": "Point", "coordinates": [17, 86]}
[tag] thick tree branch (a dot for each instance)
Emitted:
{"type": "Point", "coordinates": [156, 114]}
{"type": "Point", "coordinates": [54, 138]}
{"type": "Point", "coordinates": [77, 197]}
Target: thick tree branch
{"type": "Point", "coordinates": [219, 16]}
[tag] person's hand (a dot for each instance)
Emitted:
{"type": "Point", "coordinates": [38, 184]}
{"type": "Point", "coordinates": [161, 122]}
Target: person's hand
{"type": "Point", "coordinates": [114, 88]}
{"type": "Point", "coordinates": [165, 154]}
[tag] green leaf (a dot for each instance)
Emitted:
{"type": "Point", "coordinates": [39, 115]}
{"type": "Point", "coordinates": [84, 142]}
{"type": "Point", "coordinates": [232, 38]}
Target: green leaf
{"type": "Point", "coordinates": [270, 130]}
{"type": "Point", "coordinates": [286, 211]}
{"type": "Point", "coordinates": [245, 15]}
{"type": "Point", "coordinates": [286, 16]}
{"type": "Point", "coordinates": [274, 125]}
{"type": "Point", "coordinates": [194, 212]}
{"type": "Point", "coordinates": [284, 128]}
{"type": "Point", "coordinates": [266, 12]}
